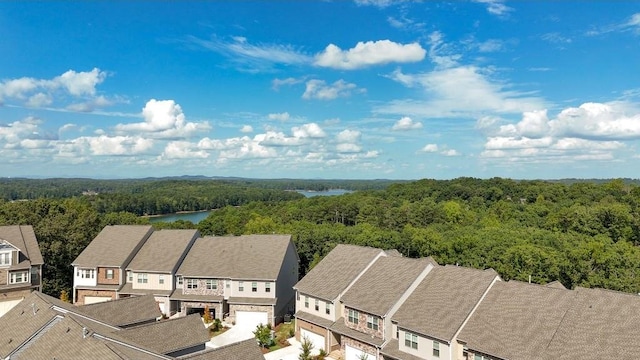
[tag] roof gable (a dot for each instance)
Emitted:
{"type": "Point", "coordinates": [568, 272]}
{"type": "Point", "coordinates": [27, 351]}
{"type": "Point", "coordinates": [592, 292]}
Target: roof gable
{"type": "Point", "coordinates": [339, 268]}
{"type": "Point", "coordinates": [23, 238]}
{"type": "Point", "coordinates": [167, 336]}
{"type": "Point", "coordinates": [123, 312]}
{"type": "Point", "coordinates": [113, 245]}
{"type": "Point", "coordinates": [163, 250]}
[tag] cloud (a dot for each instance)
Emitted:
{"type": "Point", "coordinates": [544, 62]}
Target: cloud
{"type": "Point", "coordinates": [378, 3]}
{"type": "Point", "coordinates": [556, 38]}
{"type": "Point", "coordinates": [491, 45]}
{"type": "Point", "coordinates": [632, 24]}
{"type": "Point", "coordinates": [182, 150]}
{"type": "Point", "coordinates": [277, 83]}
{"type": "Point", "coordinates": [440, 53]}
{"type": "Point", "coordinates": [117, 145]}
{"type": "Point", "coordinates": [450, 152]}
{"type": "Point", "coordinates": [81, 83]}
{"type": "Point", "coordinates": [318, 89]}
{"type": "Point", "coordinates": [246, 129]}
{"type": "Point", "coordinates": [369, 53]}
{"type": "Point", "coordinates": [348, 136]}
{"type": "Point", "coordinates": [311, 130]}
{"type": "Point", "coordinates": [279, 116]}
{"type": "Point", "coordinates": [164, 119]}
{"type": "Point", "coordinates": [406, 123]}
{"type": "Point", "coordinates": [39, 100]}
{"type": "Point", "coordinates": [430, 148]}
{"type": "Point", "coordinates": [496, 7]}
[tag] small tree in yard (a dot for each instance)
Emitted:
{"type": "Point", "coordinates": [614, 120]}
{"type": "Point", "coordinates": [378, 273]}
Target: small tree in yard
{"type": "Point", "coordinates": [64, 296]}
{"type": "Point", "coordinates": [207, 315]}
{"type": "Point", "coordinates": [263, 335]}
{"type": "Point", "coordinates": [307, 346]}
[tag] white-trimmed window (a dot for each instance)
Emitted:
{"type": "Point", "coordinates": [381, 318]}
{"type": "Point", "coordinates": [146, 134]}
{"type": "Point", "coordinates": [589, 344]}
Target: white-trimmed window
{"type": "Point", "coordinates": [411, 340]}
{"type": "Point", "coordinates": [161, 279]}
{"type": "Point", "coordinates": [479, 357]}
{"type": "Point", "coordinates": [240, 286]}
{"type": "Point", "coordinates": [436, 349]}
{"type": "Point", "coordinates": [5, 259]}
{"type": "Point", "coordinates": [254, 287]}
{"type": "Point", "coordinates": [212, 284]}
{"type": "Point", "coordinates": [372, 322]}
{"type": "Point", "coordinates": [86, 273]}
{"type": "Point", "coordinates": [306, 302]}
{"type": "Point", "coordinates": [179, 280]}
{"type": "Point", "coordinates": [192, 283]}
{"type": "Point", "coordinates": [327, 308]}
{"type": "Point", "coordinates": [19, 277]}
{"type": "Point", "coordinates": [267, 287]}
{"type": "Point", "coordinates": [317, 305]}
{"type": "Point", "coordinates": [109, 274]}
{"type": "Point", "coordinates": [353, 316]}
{"type": "Point", "coordinates": [143, 279]}
{"type": "Point", "coordinates": [130, 276]}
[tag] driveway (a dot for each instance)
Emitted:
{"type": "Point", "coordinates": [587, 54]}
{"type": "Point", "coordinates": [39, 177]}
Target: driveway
{"type": "Point", "coordinates": [235, 334]}
{"type": "Point", "coordinates": [290, 352]}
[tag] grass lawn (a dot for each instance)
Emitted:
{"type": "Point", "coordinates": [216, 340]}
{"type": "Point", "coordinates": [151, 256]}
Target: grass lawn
{"type": "Point", "coordinates": [283, 332]}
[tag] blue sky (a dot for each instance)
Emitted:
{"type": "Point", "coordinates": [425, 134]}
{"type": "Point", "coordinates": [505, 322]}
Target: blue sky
{"type": "Point", "coordinates": [359, 89]}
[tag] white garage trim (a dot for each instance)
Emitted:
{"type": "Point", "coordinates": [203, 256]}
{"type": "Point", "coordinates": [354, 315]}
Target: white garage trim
{"type": "Point", "coordinates": [351, 353]}
{"type": "Point", "coordinates": [96, 299]}
{"type": "Point", "coordinates": [315, 339]}
{"type": "Point", "coordinates": [251, 319]}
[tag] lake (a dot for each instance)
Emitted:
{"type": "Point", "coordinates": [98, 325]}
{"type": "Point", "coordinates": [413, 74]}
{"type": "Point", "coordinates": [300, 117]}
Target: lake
{"type": "Point", "coordinates": [196, 217]}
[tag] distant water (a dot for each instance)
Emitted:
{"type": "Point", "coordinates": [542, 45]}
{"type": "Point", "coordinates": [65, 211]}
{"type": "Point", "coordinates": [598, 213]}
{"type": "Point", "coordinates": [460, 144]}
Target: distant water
{"type": "Point", "coordinates": [196, 217]}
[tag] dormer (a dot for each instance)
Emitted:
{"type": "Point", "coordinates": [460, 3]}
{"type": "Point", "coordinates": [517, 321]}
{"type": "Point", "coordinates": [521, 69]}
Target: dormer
{"type": "Point", "coordinates": [9, 254]}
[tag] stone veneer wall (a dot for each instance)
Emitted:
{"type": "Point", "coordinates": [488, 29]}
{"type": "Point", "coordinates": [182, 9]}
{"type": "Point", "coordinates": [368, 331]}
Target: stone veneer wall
{"type": "Point", "coordinates": [4, 277]}
{"type": "Point", "coordinates": [239, 307]}
{"type": "Point", "coordinates": [82, 293]}
{"type": "Point", "coordinates": [358, 345]}
{"type": "Point", "coordinates": [202, 288]}
{"type": "Point", "coordinates": [195, 304]}
{"type": "Point", "coordinates": [361, 326]}
{"type": "Point", "coordinates": [102, 276]}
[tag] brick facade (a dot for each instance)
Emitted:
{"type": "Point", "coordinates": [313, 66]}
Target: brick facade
{"type": "Point", "coordinates": [202, 288]}
{"type": "Point", "coordinates": [265, 308]}
{"type": "Point", "coordinates": [4, 276]}
{"type": "Point", "coordinates": [102, 276]}
{"type": "Point", "coordinates": [361, 326]}
{"type": "Point", "coordinates": [82, 293]}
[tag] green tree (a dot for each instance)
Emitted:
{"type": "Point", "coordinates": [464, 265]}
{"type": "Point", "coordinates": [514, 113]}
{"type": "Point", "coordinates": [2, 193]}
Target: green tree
{"type": "Point", "coordinates": [307, 347]}
{"type": "Point", "coordinates": [263, 335]}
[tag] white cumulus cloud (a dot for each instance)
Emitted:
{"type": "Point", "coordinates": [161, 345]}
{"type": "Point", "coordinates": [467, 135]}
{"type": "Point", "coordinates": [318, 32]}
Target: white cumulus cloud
{"type": "Point", "coordinates": [430, 148]}
{"type": "Point", "coordinates": [318, 89]}
{"type": "Point", "coordinates": [368, 54]}
{"type": "Point", "coordinates": [279, 116]}
{"type": "Point", "coordinates": [164, 119]}
{"type": "Point", "coordinates": [311, 130]}
{"type": "Point", "coordinates": [406, 123]}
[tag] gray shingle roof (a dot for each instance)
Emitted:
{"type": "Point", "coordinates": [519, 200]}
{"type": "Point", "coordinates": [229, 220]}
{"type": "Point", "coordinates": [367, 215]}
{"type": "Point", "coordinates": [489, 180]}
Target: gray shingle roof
{"type": "Point", "coordinates": [382, 285]}
{"type": "Point", "coordinates": [243, 350]}
{"type": "Point", "coordinates": [23, 238]}
{"type": "Point", "coordinates": [443, 300]}
{"type": "Point", "coordinates": [336, 271]}
{"type": "Point", "coordinates": [123, 312]}
{"type": "Point", "coordinates": [19, 323]}
{"type": "Point", "coordinates": [168, 336]}
{"type": "Point", "coordinates": [163, 250]}
{"type": "Point", "coordinates": [314, 319]}
{"type": "Point", "coordinates": [113, 245]}
{"type": "Point", "coordinates": [254, 257]}
{"type": "Point", "coordinates": [600, 324]}
{"type": "Point", "coordinates": [516, 320]}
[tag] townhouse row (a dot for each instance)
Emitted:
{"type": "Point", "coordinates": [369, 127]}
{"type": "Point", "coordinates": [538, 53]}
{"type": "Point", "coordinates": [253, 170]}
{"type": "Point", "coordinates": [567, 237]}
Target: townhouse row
{"type": "Point", "coordinates": [246, 280]}
{"type": "Point", "coordinates": [366, 303]}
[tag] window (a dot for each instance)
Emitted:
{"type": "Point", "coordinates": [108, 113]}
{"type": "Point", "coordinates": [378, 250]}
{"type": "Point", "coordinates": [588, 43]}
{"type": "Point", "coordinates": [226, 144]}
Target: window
{"type": "Point", "coordinates": [306, 301]}
{"type": "Point", "coordinates": [192, 283]}
{"type": "Point", "coordinates": [372, 322]}
{"type": "Point", "coordinates": [353, 316]}
{"type": "Point", "coordinates": [479, 357]}
{"type": "Point", "coordinates": [267, 287]}
{"type": "Point", "coordinates": [327, 308]}
{"type": "Point", "coordinates": [411, 340]}
{"type": "Point", "coordinates": [212, 284]}
{"type": "Point", "coordinates": [179, 280]}
{"type": "Point", "coordinates": [254, 287]}
{"type": "Point", "coordinates": [161, 279]}
{"type": "Point", "coordinates": [143, 279]}
{"type": "Point", "coordinates": [5, 258]}
{"type": "Point", "coordinates": [109, 274]}
{"type": "Point", "coordinates": [19, 277]}
{"type": "Point", "coordinates": [130, 276]}
{"type": "Point", "coordinates": [87, 273]}
{"type": "Point", "coordinates": [240, 286]}
{"type": "Point", "coordinates": [436, 349]}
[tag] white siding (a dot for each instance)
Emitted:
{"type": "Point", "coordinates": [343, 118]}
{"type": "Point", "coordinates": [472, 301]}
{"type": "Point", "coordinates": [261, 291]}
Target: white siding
{"type": "Point", "coordinates": [234, 289]}
{"type": "Point", "coordinates": [153, 282]}
{"type": "Point", "coordinates": [321, 312]}
{"type": "Point", "coordinates": [80, 280]}
{"type": "Point", "coordinates": [425, 348]}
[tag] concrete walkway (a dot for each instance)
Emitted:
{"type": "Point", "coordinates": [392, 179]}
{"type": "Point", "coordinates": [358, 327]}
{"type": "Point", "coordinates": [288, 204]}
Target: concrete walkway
{"type": "Point", "coordinates": [290, 352]}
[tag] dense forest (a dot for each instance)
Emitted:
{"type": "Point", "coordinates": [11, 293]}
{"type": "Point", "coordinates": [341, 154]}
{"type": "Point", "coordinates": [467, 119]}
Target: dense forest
{"type": "Point", "coordinates": [582, 233]}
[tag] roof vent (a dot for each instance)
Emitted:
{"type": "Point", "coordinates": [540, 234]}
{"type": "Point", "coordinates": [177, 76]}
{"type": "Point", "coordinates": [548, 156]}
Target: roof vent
{"type": "Point", "coordinates": [33, 307]}
{"type": "Point", "coordinates": [85, 332]}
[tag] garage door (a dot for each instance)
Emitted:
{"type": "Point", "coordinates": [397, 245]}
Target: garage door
{"type": "Point", "coordinates": [351, 353]}
{"type": "Point", "coordinates": [5, 306]}
{"type": "Point", "coordinates": [315, 339]}
{"type": "Point", "coordinates": [251, 319]}
{"type": "Point", "coordinates": [96, 299]}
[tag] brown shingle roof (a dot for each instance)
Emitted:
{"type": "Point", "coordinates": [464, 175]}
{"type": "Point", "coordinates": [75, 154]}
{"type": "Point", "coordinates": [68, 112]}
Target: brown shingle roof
{"type": "Point", "coordinates": [314, 319]}
{"type": "Point", "coordinates": [392, 350]}
{"type": "Point", "coordinates": [516, 320]}
{"type": "Point", "coordinates": [255, 257]}
{"type": "Point", "coordinates": [23, 238]}
{"type": "Point", "coordinates": [243, 350]}
{"type": "Point", "coordinates": [163, 250]}
{"type": "Point", "coordinates": [443, 300]}
{"type": "Point", "coordinates": [22, 321]}
{"type": "Point", "coordinates": [382, 285]}
{"type": "Point", "coordinates": [113, 245]}
{"type": "Point", "coordinates": [129, 290]}
{"type": "Point", "coordinates": [123, 312]}
{"type": "Point", "coordinates": [601, 324]}
{"type": "Point", "coordinates": [336, 271]}
{"type": "Point", "coordinates": [168, 336]}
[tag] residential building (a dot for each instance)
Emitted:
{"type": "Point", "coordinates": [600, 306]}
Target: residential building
{"type": "Point", "coordinates": [371, 302]}
{"type": "Point", "coordinates": [428, 322]}
{"type": "Point", "coordinates": [318, 294]}
{"type": "Point", "coordinates": [42, 327]}
{"type": "Point", "coordinates": [153, 268]}
{"type": "Point", "coordinates": [243, 279]}
{"type": "Point", "coordinates": [99, 270]}
{"type": "Point", "coordinates": [20, 265]}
